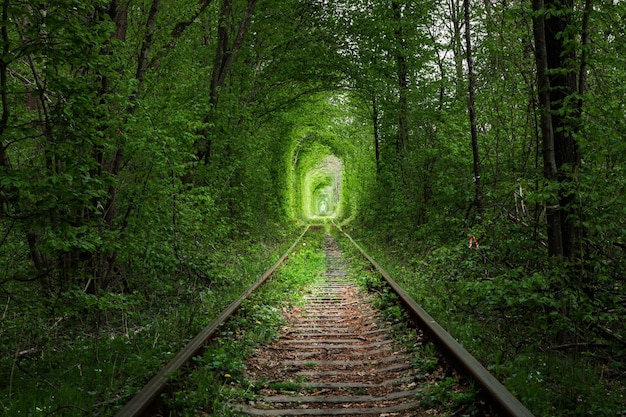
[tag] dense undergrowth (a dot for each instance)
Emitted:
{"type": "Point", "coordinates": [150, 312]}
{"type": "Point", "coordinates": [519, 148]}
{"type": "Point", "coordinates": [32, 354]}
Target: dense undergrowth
{"type": "Point", "coordinates": [560, 350]}
{"type": "Point", "coordinates": [79, 354]}
{"type": "Point", "coordinates": [444, 392]}
{"type": "Point", "coordinates": [218, 378]}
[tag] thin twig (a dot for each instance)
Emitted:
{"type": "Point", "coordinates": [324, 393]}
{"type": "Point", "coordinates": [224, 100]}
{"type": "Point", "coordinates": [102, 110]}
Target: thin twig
{"type": "Point", "coordinates": [6, 308]}
{"type": "Point", "coordinates": [578, 345]}
{"type": "Point", "coordinates": [66, 406]}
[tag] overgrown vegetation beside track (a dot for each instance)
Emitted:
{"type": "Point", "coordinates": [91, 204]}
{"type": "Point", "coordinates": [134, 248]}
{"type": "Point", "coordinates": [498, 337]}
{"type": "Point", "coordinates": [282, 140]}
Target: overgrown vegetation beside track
{"type": "Point", "coordinates": [144, 145]}
{"type": "Point", "coordinates": [513, 325]}
{"type": "Point", "coordinates": [218, 378]}
{"type": "Point", "coordinates": [81, 354]}
{"type": "Point", "coordinates": [444, 392]}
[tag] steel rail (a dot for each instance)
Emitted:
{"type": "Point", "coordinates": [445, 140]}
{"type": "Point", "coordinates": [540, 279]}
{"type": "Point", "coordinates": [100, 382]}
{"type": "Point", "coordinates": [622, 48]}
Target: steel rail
{"type": "Point", "coordinates": [502, 398]}
{"type": "Point", "coordinates": [144, 399]}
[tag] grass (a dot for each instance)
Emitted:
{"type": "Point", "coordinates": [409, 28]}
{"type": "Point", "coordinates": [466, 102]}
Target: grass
{"type": "Point", "coordinates": [448, 395]}
{"type": "Point", "coordinates": [82, 355]}
{"type": "Point", "coordinates": [285, 386]}
{"type": "Point", "coordinates": [219, 379]}
{"type": "Point", "coordinates": [550, 382]}
{"type": "Point", "coordinates": [443, 394]}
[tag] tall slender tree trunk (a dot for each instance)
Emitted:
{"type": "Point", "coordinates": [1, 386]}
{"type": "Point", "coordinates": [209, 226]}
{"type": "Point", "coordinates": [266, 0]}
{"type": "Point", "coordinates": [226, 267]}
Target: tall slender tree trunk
{"type": "Point", "coordinates": [376, 123]}
{"type": "Point", "coordinates": [457, 46]}
{"type": "Point", "coordinates": [225, 56]}
{"type": "Point", "coordinates": [402, 74]}
{"type": "Point", "coordinates": [5, 162]}
{"type": "Point", "coordinates": [553, 214]}
{"type": "Point", "coordinates": [555, 59]}
{"type": "Point", "coordinates": [478, 192]}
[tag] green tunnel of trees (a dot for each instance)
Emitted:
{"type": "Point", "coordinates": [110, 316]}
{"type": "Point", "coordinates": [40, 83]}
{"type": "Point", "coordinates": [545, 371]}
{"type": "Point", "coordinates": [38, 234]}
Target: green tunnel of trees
{"type": "Point", "coordinates": [144, 144]}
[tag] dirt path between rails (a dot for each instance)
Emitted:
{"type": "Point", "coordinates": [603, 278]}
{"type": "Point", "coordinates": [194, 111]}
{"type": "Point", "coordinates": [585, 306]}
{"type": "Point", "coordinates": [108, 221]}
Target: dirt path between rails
{"type": "Point", "coordinates": [335, 358]}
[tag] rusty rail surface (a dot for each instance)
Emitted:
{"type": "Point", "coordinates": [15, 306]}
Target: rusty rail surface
{"type": "Point", "coordinates": [501, 398]}
{"type": "Point", "coordinates": [145, 399]}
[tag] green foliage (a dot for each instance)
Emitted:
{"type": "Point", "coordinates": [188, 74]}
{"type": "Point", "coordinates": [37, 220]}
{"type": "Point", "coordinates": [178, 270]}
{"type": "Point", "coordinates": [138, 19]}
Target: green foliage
{"type": "Point", "coordinates": [512, 320]}
{"type": "Point", "coordinates": [110, 219]}
{"type": "Point", "coordinates": [329, 159]}
{"type": "Point", "coordinates": [219, 376]}
{"type": "Point", "coordinates": [448, 395]}
{"type": "Point", "coordinates": [287, 386]}
{"type": "Point", "coordinates": [510, 304]}
{"type": "Point", "coordinates": [442, 393]}
{"type": "Point", "coordinates": [81, 351]}
{"type": "Point", "coordinates": [556, 381]}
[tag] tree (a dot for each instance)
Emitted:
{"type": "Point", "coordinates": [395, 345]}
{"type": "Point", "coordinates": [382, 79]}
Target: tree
{"type": "Point", "coordinates": [230, 39]}
{"type": "Point", "coordinates": [471, 107]}
{"type": "Point", "coordinates": [560, 113]}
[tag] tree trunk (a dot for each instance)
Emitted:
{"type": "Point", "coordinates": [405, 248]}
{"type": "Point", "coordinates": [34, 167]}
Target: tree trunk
{"type": "Point", "coordinates": [5, 162]}
{"type": "Point", "coordinates": [402, 74]}
{"type": "Point", "coordinates": [457, 46]}
{"type": "Point", "coordinates": [478, 193]}
{"type": "Point", "coordinates": [225, 55]}
{"type": "Point", "coordinates": [146, 45]}
{"type": "Point", "coordinates": [553, 214]}
{"type": "Point", "coordinates": [376, 123]}
{"type": "Point", "coordinates": [557, 82]}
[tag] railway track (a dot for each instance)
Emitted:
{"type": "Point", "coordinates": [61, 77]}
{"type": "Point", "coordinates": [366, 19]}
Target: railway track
{"type": "Point", "coordinates": [338, 356]}
{"type": "Point", "coordinates": [334, 357]}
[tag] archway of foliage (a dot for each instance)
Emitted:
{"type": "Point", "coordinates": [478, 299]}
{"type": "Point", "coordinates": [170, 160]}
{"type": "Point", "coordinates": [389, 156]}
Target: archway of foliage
{"type": "Point", "coordinates": [321, 185]}
{"type": "Point", "coordinates": [143, 159]}
{"type": "Point", "coordinates": [322, 189]}
{"type": "Point", "coordinates": [331, 158]}
{"type": "Point", "coordinates": [147, 144]}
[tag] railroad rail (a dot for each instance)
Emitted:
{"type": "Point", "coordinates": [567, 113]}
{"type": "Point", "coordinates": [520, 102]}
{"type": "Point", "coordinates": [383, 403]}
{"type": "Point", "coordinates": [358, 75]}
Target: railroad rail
{"type": "Point", "coordinates": [501, 397]}
{"type": "Point", "coordinates": [336, 356]}
{"type": "Point", "coordinates": [366, 351]}
{"type": "Point", "coordinates": [145, 402]}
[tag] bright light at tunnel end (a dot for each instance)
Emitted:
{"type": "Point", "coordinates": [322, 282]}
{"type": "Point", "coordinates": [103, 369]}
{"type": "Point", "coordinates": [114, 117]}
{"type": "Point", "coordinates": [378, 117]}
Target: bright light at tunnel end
{"type": "Point", "coordinates": [322, 189]}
